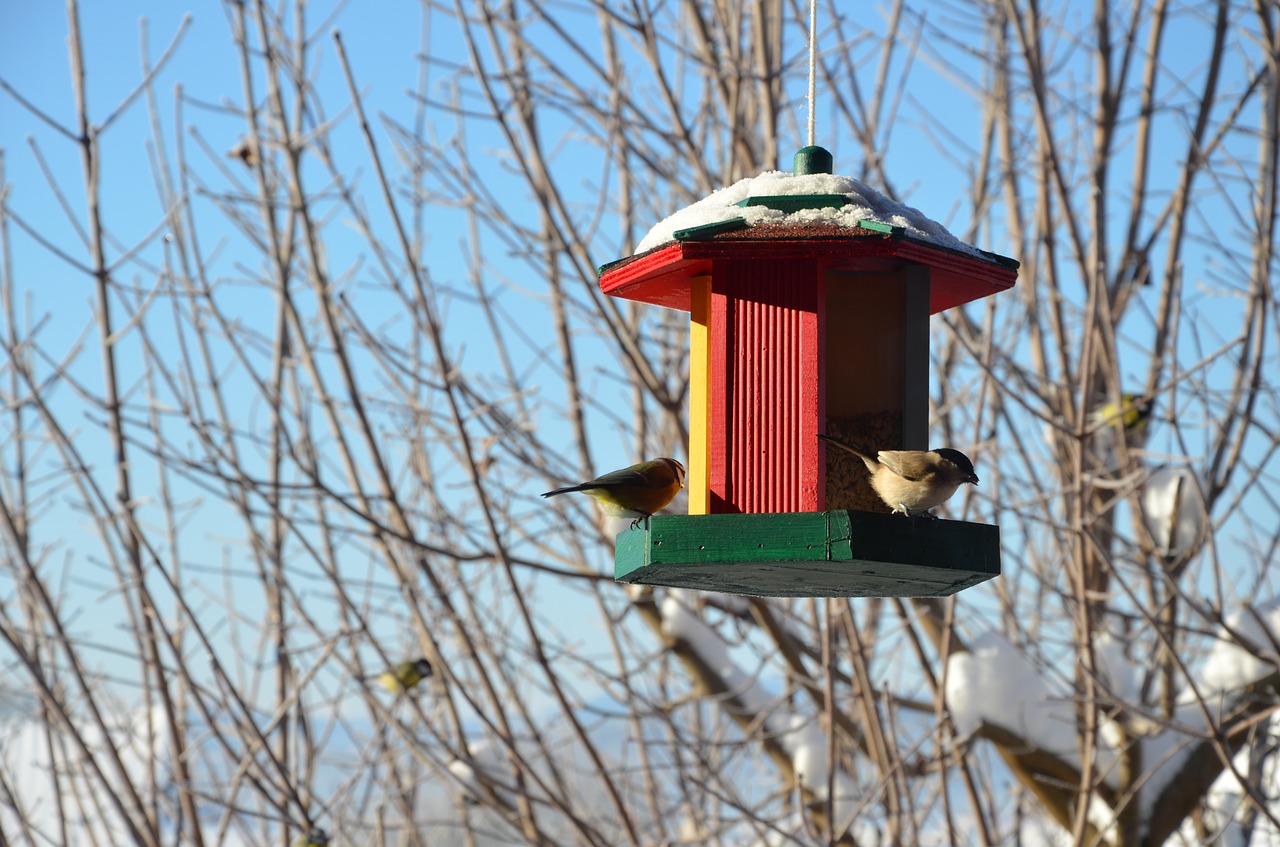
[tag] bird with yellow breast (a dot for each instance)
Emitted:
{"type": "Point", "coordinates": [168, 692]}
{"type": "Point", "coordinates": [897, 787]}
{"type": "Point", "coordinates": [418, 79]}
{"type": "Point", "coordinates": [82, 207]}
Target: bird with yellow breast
{"type": "Point", "coordinates": [405, 675]}
{"type": "Point", "coordinates": [633, 492]}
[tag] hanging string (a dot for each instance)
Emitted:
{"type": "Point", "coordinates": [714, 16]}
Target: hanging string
{"type": "Point", "coordinates": [813, 64]}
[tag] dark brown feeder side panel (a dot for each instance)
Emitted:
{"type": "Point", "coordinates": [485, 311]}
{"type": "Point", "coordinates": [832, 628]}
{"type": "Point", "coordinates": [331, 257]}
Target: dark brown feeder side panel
{"type": "Point", "coordinates": [876, 336]}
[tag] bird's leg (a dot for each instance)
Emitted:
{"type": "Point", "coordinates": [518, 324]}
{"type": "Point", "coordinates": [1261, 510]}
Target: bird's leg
{"type": "Point", "coordinates": [902, 509]}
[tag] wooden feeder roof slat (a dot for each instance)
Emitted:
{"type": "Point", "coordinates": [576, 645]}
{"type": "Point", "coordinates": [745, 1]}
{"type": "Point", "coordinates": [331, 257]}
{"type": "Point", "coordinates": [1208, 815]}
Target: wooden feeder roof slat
{"type": "Point", "coordinates": [795, 202]}
{"type": "Point", "coordinates": [708, 231]}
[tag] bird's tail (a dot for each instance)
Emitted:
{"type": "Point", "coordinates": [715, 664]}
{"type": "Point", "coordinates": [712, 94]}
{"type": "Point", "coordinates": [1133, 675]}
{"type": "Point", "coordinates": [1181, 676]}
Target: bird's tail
{"type": "Point", "coordinates": [871, 461]}
{"type": "Point", "coordinates": [569, 488]}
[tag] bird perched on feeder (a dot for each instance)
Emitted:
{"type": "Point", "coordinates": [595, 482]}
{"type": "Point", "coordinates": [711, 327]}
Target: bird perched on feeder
{"type": "Point", "coordinates": [914, 481]}
{"type": "Point", "coordinates": [1132, 413]}
{"type": "Point", "coordinates": [405, 675]}
{"type": "Point", "coordinates": [635, 492]}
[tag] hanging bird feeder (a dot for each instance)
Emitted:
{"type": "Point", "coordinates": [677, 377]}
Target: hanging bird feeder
{"type": "Point", "coordinates": [809, 296]}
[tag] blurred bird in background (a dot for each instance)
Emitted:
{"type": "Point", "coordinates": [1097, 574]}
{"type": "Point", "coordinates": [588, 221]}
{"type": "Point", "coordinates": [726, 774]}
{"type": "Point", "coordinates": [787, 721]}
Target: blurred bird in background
{"type": "Point", "coordinates": [1113, 424]}
{"type": "Point", "coordinates": [315, 838]}
{"type": "Point", "coordinates": [914, 481]}
{"type": "Point", "coordinates": [635, 492]}
{"type": "Point", "coordinates": [1131, 413]}
{"type": "Point", "coordinates": [246, 150]}
{"type": "Point", "coordinates": [405, 675]}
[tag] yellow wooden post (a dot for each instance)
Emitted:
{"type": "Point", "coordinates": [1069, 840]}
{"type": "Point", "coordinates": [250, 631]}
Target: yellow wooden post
{"type": "Point", "coordinates": [699, 482]}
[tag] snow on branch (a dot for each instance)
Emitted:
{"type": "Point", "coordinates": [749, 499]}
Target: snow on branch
{"type": "Point", "coordinates": [1245, 652]}
{"type": "Point", "coordinates": [994, 691]}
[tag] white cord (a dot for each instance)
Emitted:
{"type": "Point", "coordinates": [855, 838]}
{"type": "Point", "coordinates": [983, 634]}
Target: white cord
{"type": "Point", "coordinates": [813, 64]}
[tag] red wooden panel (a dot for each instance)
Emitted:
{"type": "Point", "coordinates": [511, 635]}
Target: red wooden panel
{"type": "Point", "coordinates": [769, 338]}
{"type": "Point", "coordinates": [718, 399]}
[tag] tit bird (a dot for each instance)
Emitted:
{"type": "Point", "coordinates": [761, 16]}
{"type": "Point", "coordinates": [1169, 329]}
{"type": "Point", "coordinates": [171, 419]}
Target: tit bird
{"type": "Point", "coordinates": [405, 675]}
{"type": "Point", "coordinates": [1132, 412]}
{"type": "Point", "coordinates": [315, 838]}
{"type": "Point", "coordinates": [635, 492]}
{"type": "Point", "coordinates": [914, 481]}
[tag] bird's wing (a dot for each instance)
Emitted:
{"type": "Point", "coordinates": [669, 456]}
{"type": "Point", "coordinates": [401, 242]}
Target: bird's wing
{"type": "Point", "coordinates": [645, 474]}
{"type": "Point", "coordinates": [894, 460]}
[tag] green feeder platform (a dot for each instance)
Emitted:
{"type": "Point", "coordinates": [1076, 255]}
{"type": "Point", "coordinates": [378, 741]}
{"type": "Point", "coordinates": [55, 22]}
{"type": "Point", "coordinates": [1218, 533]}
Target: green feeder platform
{"type": "Point", "coordinates": [810, 554]}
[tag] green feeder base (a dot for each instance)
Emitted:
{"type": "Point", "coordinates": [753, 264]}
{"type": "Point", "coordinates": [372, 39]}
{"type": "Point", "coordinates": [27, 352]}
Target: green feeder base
{"type": "Point", "coordinates": [809, 554]}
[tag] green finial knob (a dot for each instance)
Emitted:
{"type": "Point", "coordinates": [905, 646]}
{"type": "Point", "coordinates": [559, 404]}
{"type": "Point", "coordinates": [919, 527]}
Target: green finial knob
{"type": "Point", "coordinates": [813, 160]}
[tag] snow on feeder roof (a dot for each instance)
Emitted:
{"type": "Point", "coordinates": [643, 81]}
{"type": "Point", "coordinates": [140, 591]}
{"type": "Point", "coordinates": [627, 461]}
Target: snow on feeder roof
{"type": "Point", "coordinates": [860, 204]}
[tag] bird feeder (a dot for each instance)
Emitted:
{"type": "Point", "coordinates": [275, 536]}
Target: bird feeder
{"type": "Point", "coordinates": [809, 313]}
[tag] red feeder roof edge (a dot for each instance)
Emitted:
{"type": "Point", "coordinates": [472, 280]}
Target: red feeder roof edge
{"type": "Point", "coordinates": [661, 276]}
